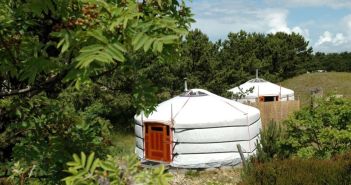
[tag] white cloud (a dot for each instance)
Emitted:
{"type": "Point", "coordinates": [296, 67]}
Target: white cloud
{"type": "Point", "coordinates": [304, 32]}
{"type": "Point", "coordinates": [276, 20]}
{"type": "Point", "coordinates": [341, 41]}
{"type": "Point", "coordinates": [312, 3]}
{"type": "Point", "coordinates": [218, 18]}
{"type": "Point", "coordinates": [329, 43]}
{"type": "Point", "coordinates": [325, 38]}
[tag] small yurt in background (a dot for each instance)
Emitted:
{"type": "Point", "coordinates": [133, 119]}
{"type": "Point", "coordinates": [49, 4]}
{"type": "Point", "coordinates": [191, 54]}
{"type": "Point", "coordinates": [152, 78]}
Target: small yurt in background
{"type": "Point", "coordinates": [197, 129]}
{"type": "Point", "coordinates": [262, 91]}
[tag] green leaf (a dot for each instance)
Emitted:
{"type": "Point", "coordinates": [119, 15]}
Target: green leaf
{"type": "Point", "coordinates": [83, 158]}
{"type": "Point", "coordinates": [71, 163]}
{"type": "Point", "coordinates": [90, 161]}
{"type": "Point", "coordinates": [64, 42]}
{"type": "Point", "coordinates": [141, 42]}
{"type": "Point", "coordinates": [104, 57]}
{"type": "Point", "coordinates": [76, 158]}
{"type": "Point", "coordinates": [97, 34]}
{"type": "Point", "coordinates": [92, 48]}
{"type": "Point", "coordinates": [148, 43]}
{"type": "Point", "coordinates": [84, 59]}
{"type": "Point", "coordinates": [115, 53]}
{"type": "Point", "coordinates": [155, 45]}
{"type": "Point", "coordinates": [125, 23]}
{"type": "Point", "coordinates": [95, 165]}
{"type": "Point", "coordinates": [107, 166]}
{"type": "Point", "coordinates": [158, 46]}
{"type": "Point", "coordinates": [169, 39]}
{"type": "Point", "coordinates": [34, 66]}
{"type": "Point", "coordinates": [137, 38]}
{"type": "Point", "coordinates": [119, 46]}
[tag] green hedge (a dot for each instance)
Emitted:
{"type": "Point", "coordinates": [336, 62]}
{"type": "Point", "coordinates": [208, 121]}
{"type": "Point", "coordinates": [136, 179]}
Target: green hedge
{"type": "Point", "coordinates": [336, 171]}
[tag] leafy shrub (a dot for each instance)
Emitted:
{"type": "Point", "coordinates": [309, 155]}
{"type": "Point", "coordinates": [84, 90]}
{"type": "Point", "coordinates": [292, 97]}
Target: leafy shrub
{"type": "Point", "coordinates": [45, 132]}
{"type": "Point", "coordinates": [113, 170]}
{"type": "Point", "coordinates": [336, 171]}
{"type": "Point", "coordinates": [269, 146]}
{"type": "Point", "coordinates": [321, 131]}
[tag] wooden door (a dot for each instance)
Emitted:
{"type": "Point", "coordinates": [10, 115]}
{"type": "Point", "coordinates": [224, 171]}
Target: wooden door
{"type": "Point", "coordinates": [158, 142]}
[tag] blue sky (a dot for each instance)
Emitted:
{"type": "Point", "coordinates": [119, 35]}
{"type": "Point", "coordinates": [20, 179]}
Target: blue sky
{"type": "Point", "coordinates": [326, 24]}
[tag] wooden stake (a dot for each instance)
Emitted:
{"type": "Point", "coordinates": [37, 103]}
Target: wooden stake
{"type": "Point", "coordinates": [241, 155]}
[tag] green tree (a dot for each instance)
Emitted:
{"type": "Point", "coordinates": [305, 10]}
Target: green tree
{"type": "Point", "coordinates": [240, 55]}
{"type": "Point", "coordinates": [277, 56]}
{"type": "Point", "coordinates": [289, 53]}
{"type": "Point", "coordinates": [47, 45]}
{"type": "Point", "coordinates": [331, 62]}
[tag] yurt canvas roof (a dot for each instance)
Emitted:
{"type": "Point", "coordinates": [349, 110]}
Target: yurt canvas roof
{"type": "Point", "coordinates": [262, 88]}
{"type": "Point", "coordinates": [200, 108]}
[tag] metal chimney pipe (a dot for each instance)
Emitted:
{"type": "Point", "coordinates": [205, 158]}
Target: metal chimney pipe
{"type": "Point", "coordinates": [256, 73]}
{"type": "Point", "coordinates": [185, 85]}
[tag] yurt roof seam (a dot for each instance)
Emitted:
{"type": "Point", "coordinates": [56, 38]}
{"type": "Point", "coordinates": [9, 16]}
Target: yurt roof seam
{"type": "Point", "coordinates": [223, 100]}
{"type": "Point", "coordinates": [181, 108]}
{"type": "Point", "coordinates": [234, 107]}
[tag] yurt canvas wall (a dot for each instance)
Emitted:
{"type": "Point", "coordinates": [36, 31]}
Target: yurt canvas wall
{"type": "Point", "coordinates": [197, 129]}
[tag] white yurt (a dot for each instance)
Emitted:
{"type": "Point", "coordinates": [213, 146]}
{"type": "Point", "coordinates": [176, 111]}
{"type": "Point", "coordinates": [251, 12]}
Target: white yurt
{"type": "Point", "coordinates": [197, 129]}
{"type": "Point", "coordinates": [262, 91]}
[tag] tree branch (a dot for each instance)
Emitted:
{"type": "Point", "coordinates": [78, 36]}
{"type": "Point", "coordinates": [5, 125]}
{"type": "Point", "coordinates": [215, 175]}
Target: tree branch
{"type": "Point", "coordinates": [37, 88]}
{"type": "Point", "coordinates": [95, 77]}
{"type": "Point", "coordinates": [51, 81]}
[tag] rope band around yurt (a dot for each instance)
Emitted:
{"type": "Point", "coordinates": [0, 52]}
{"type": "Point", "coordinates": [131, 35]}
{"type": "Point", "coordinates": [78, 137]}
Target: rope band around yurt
{"type": "Point", "coordinates": [186, 129]}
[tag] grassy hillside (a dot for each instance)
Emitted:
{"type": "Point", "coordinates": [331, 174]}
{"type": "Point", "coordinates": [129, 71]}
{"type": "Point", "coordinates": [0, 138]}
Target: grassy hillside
{"type": "Point", "coordinates": [331, 82]}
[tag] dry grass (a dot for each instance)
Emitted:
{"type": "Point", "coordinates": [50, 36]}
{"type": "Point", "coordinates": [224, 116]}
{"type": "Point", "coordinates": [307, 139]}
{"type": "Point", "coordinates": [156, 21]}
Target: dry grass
{"type": "Point", "coordinates": [330, 83]}
{"type": "Point", "coordinates": [223, 176]}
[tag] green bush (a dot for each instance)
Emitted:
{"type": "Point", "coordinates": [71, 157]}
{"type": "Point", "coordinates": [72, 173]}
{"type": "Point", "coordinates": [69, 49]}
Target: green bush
{"type": "Point", "coordinates": [336, 171]}
{"type": "Point", "coordinates": [321, 131]}
{"type": "Point", "coordinates": [42, 133]}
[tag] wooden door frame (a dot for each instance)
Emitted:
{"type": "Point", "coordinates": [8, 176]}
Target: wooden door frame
{"type": "Point", "coordinates": [149, 124]}
{"type": "Point", "coordinates": [263, 98]}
